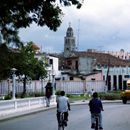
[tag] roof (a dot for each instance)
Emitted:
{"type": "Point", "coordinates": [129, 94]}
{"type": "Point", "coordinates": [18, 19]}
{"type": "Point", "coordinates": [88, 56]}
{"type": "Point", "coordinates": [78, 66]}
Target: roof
{"type": "Point", "coordinates": [104, 59]}
{"type": "Point", "coordinates": [35, 47]}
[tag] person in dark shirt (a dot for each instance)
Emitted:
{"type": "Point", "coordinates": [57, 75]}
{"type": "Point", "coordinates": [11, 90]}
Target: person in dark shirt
{"type": "Point", "coordinates": [96, 107]}
{"type": "Point", "coordinates": [48, 93]}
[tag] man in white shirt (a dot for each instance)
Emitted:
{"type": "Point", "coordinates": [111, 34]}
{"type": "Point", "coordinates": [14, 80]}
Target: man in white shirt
{"type": "Point", "coordinates": [63, 106]}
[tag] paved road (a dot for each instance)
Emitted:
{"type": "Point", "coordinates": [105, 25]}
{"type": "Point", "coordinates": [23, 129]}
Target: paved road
{"type": "Point", "coordinates": [115, 117]}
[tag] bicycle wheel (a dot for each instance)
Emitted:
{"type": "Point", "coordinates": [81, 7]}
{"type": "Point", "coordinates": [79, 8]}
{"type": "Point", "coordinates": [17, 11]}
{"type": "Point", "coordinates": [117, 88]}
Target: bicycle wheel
{"type": "Point", "coordinates": [61, 125]}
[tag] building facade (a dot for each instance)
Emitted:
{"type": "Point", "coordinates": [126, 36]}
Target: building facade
{"type": "Point", "coordinates": [52, 65]}
{"type": "Point", "coordinates": [116, 77]}
{"type": "Point", "coordinates": [120, 54]}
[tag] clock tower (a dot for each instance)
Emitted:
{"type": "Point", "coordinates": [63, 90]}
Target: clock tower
{"type": "Point", "coordinates": [69, 42]}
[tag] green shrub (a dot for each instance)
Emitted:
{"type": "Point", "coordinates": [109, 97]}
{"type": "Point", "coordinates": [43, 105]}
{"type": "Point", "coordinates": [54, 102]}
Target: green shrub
{"type": "Point", "coordinates": [39, 94]}
{"type": "Point", "coordinates": [109, 96]}
{"type": "Point", "coordinates": [7, 97]}
{"type": "Point", "coordinates": [57, 92]}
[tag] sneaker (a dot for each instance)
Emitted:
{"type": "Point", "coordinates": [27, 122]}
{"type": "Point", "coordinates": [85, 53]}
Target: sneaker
{"type": "Point", "coordinates": [93, 126]}
{"type": "Point", "coordinates": [100, 128]}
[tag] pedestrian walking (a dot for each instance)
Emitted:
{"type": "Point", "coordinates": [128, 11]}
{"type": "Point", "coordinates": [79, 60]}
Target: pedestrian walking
{"type": "Point", "coordinates": [48, 94]}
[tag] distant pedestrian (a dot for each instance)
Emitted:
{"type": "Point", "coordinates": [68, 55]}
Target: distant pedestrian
{"type": "Point", "coordinates": [90, 93]}
{"type": "Point", "coordinates": [48, 94]}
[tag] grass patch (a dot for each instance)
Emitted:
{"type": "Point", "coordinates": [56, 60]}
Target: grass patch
{"type": "Point", "coordinates": [77, 97]}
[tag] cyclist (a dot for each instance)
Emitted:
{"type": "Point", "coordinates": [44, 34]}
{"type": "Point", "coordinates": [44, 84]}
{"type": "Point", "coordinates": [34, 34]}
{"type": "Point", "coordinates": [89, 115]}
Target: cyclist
{"type": "Point", "coordinates": [63, 105]}
{"type": "Point", "coordinates": [96, 107]}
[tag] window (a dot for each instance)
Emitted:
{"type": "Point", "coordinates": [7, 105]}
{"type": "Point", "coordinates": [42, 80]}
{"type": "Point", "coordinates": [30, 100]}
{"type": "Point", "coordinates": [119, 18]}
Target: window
{"type": "Point", "coordinates": [127, 76]}
{"type": "Point", "coordinates": [69, 62]}
{"type": "Point", "coordinates": [50, 61]}
{"type": "Point", "coordinates": [76, 65]}
{"type": "Point", "coordinates": [71, 78]}
{"type": "Point", "coordinates": [67, 49]}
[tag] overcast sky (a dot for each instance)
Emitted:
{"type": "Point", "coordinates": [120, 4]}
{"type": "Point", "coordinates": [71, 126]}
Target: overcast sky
{"type": "Point", "coordinates": [99, 24]}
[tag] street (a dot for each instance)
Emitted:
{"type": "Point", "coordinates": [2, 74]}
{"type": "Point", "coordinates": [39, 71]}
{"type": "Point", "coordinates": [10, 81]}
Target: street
{"type": "Point", "coordinates": [115, 117]}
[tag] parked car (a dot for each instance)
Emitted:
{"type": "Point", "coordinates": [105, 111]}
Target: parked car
{"type": "Point", "coordinates": [125, 95]}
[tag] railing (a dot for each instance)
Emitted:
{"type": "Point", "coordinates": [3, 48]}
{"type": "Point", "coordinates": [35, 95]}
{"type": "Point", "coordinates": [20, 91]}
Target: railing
{"type": "Point", "coordinates": [11, 106]}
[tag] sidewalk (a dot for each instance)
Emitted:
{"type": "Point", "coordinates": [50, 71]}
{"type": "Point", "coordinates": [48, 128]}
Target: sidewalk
{"type": "Point", "coordinates": [10, 115]}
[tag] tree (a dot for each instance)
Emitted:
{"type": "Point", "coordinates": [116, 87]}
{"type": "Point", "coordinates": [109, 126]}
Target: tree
{"type": "Point", "coordinates": [24, 61]}
{"type": "Point", "coordinates": [16, 14]}
{"type": "Point", "coordinates": [4, 62]}
{"type": "Point", "coordinates": [29, 66]}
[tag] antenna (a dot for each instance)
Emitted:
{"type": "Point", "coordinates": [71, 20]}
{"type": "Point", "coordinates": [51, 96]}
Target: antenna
{"type": "Point", "coordinates": [69, 24]}
{"type": "Point", "coordinates": [78, 34]}
{"type": "Point", "coordinates": [41, 48]}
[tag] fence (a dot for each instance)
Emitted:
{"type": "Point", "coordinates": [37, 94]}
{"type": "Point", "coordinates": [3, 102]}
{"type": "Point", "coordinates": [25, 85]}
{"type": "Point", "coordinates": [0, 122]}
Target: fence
{"type": "Point", "coordinates": [71, 87]}
{"type": "Point", "coordinates": [80, 87]}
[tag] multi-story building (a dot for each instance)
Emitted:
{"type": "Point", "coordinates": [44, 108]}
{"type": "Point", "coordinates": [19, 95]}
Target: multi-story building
{"type": "Point", "coordinates": [52, 65]}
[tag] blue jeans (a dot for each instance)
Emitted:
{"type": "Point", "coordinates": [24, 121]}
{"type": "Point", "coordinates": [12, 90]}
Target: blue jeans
{"type": "Point", "coordinates": [48, 102]}
{"type": "Point", "coordinates": [93, 119]}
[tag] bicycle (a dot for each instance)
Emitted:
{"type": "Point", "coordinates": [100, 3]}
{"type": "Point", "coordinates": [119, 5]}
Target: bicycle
{"type": "Point", "coordinates": [62, 122]}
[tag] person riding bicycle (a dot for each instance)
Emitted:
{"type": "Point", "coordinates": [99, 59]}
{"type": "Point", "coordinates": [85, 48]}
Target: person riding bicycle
{"type": "Point", "coordinates": [96, 107]}
{"type": "Point", "coordinates": [63, 105]}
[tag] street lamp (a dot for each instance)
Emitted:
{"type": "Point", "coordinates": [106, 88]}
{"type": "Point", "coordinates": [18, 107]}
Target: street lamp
{"type": "Point", "coordinates": [13, 77]}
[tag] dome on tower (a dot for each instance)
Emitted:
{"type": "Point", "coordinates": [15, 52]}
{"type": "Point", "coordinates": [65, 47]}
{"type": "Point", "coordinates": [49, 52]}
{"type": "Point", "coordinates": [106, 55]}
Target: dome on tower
{"type": "Point", "coordinates": [70, 29]}
{"type": "Point", "coordinates": [69, 32]}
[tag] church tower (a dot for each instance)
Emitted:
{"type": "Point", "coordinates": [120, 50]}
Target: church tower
{"type": "Point", "coordinates": [69, 42]}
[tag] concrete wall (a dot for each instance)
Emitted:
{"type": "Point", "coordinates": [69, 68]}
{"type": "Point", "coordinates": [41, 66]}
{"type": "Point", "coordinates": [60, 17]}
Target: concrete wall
{"type": "Point", "coordinates": [19, 105]}
{"type": "Point", "coordinates": [85, 65]}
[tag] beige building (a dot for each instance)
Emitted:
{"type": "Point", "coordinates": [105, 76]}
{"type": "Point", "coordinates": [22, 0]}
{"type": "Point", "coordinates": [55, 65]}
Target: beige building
{"type": "Point", "coordinates": [120, 54]}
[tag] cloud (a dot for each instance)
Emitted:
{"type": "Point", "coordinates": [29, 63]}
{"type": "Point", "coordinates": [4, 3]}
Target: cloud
{"type": "Point", "coordinates": [104, 23]}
